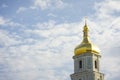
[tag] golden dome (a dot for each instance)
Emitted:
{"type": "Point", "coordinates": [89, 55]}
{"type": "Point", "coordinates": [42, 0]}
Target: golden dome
{"type": "Point", "coordinates": [86, 45]}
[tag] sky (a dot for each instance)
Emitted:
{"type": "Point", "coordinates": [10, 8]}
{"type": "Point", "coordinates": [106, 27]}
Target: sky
{"type": "Point", "coordinates": [38, 37]}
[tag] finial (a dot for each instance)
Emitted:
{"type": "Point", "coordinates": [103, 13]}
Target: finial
{"type": "Point", "coordinates": [85, 21]}
{"type": "Point", "coordinates": [85, 30]}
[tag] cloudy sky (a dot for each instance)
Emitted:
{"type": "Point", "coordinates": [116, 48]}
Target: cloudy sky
{"type": "Point", "coordinates": [38, 37]}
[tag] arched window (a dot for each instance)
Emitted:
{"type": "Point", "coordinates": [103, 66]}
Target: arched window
{"type": "Point", "coordinates": [95, 64]}
{"type": "Point", "coordinates": [80, 64]}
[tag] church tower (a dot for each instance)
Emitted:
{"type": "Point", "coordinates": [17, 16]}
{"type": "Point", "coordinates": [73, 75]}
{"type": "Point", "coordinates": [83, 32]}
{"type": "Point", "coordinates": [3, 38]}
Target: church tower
{"type": "Point", "coordinates": [86, 60]}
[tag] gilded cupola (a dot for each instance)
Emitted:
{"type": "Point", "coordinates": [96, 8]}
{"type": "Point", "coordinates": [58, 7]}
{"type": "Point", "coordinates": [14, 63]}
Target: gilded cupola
{"type": "Point", "coordinates": [86, 45]}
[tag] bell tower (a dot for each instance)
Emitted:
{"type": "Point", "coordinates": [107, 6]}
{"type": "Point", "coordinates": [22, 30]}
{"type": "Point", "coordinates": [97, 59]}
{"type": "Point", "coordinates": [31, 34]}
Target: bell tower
{"type": "Point", "coordinates": [86, 60]}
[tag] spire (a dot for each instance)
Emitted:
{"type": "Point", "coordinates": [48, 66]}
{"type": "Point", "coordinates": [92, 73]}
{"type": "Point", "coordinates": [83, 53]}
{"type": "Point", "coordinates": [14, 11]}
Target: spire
{"type": "Point", "coordinates": [86, 21]}
{"type": "Point", "coordinates": [85, 33]}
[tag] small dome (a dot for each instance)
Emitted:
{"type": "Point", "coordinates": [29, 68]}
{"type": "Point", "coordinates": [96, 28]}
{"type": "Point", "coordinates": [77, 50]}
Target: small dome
{"type": "Point", "coordinates": [86, 45]}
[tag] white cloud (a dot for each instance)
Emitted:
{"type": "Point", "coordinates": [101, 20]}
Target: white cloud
{"type": "Point", "coordinates": [21, 9]}
{"type": "Point", "coordinates": [4, 6]}
{"type": "Point", "coordinates": [42, 56]}
{"type": "Point", "coordinates": [47, 4]}
{"type": "Point", "coordinates": [52, 15]}
{"type": "Point", "coordinates": [107, 8]}
{"type": "Point", "coordinates": [6, 39]}
{"type": "Point", "coordinates": [110, 68]}
{"type": "Point", "coordinates": [2, 20]}
{"type": "Point", "coordinates": [6, 22]}
{"type": "Point", "coordinates": [42, 3]}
